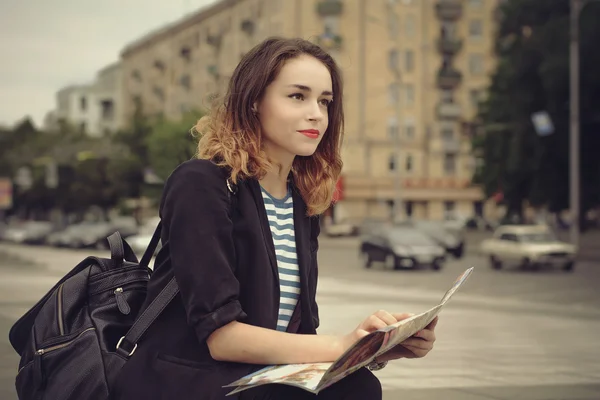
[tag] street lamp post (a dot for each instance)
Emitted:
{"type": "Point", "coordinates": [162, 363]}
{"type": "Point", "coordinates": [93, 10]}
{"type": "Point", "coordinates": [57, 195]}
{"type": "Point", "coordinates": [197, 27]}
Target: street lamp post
{"type": "Point", "coordinates": [576, 7]}
{"type": "Point", "coordinates": [574, 121]}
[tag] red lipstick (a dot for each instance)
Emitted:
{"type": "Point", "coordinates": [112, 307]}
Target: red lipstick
{"type": "Point", "coordinates": [311, 133]}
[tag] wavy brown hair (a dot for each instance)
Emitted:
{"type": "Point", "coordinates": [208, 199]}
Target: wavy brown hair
{"type": "Point", "coordinates": [231, 134]}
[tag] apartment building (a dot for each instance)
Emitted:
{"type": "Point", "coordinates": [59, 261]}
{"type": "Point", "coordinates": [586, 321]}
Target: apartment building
{"type": "Point", "coordinates": [91, 108]}
{"type": "Point", "coordinates": [414, 72]}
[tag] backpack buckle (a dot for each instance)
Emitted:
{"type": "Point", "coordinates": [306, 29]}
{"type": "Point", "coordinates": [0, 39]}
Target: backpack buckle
{"type": "Point", "coordinates": [125, 351]}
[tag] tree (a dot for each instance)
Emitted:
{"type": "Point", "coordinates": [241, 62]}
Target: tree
{"type": "Point", "coordinates": [532, 75]}
{"type": "Point", "coordinates": [171, 143]}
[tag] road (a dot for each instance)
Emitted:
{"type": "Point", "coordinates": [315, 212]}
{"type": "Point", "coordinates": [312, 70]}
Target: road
{"type": "Point", "coordinates": [505, 335]}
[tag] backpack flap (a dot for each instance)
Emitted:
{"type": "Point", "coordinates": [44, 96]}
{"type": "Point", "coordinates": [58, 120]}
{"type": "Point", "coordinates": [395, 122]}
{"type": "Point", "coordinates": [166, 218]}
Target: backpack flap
{"type": "Point", "coordinates": [19, 335]}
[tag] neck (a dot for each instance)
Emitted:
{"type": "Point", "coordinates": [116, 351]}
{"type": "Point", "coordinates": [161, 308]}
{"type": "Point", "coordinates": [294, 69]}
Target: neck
{"type": "Point", "coordinates": [275, 180]}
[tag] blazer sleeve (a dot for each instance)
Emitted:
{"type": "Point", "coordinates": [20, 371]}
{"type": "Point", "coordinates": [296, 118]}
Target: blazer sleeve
{"type": "Point", "coordinates": [314, 271]}
{"type": "Point", "coordinates": [196, 214]}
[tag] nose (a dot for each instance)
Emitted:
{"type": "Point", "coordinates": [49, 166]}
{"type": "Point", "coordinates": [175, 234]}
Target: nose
{"type": "Point", "coordinates": [315, 113]}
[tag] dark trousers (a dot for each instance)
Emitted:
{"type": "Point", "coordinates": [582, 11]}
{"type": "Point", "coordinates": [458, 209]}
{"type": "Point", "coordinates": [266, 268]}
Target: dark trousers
{"type": "Point", "coordinates": [360, 385]}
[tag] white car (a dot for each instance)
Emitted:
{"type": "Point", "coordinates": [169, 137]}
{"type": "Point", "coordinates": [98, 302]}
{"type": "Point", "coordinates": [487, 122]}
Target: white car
{"type": "Point", "coordinates": [528, 246]}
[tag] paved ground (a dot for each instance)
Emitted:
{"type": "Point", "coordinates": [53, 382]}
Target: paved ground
{"type": "Point", "coordinates": [506, 335]}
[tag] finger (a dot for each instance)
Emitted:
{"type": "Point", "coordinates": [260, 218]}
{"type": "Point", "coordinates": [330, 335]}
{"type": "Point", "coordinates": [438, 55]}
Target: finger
{"type": "Point", "coordinates": [432, 324]}
{"type": "Point", "coordinates": [416, 344]}
{"type": "Point", "coordinates": [374, 323]}
{"type": "Point", "coordinates": [386, 317]}
{"type": "Point", "coordinates": [402, 316]}
{"type": "Point", "coordinates": [426, 334]}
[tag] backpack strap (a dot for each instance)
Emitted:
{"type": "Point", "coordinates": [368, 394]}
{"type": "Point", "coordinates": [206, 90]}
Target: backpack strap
{"type": "Point", "coordinates": [151, 246]}
{"type": "Point", "coordinates": [120, 250]}
{"type": "Point", "coordinates": [128, 343]}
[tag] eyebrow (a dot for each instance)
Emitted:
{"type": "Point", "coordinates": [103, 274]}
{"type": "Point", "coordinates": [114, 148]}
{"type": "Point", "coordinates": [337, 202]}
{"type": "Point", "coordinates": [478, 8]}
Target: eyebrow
{"type": "Point", "coordinates": [308, 89]}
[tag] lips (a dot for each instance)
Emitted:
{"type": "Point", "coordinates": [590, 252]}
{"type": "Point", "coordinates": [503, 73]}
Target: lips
{"type": "Point", "coordinates": [311, 133]}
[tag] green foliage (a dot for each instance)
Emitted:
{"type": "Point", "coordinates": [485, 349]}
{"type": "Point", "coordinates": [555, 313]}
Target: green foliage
{"type": "Point", "coordinates": [532, 75]}
{"type": "Point", "coordinates": [101, 172]}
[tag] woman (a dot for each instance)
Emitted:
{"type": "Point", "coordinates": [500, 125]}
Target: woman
{"type": "Point", "coordinates": [240, 227]}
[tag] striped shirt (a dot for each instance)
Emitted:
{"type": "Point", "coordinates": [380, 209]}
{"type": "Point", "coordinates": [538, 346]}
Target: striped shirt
{"type": "Point", "coordinates": [280, 213]}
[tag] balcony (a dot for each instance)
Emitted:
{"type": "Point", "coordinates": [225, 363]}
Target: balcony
{"type": "Point", "coordinates": [213, 70]}
{"type": "Point", "coordinates": [329, 41]}
{"type": "Point", "coordinates": [449, 78]}
{"type": "Point", "coordinates": [329, 8]}
{"type": "Point", "coordinates": [448, 111]}
{"type": "Point", "coordinates": [449, 46]}
{"type": "Point", "coordinates": [449, 10]}
{"type": "Point", "coordinates": [450, 145]}
{"type": "Point", "coordinates": [247, 26]}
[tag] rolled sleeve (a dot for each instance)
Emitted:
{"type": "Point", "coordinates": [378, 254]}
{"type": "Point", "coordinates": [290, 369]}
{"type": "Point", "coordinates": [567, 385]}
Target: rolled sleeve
{"type": "Point", "coordinates": [195, 213]}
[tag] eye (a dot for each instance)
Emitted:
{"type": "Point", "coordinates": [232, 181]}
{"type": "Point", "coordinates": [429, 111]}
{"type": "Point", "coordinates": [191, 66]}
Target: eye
{"type": "Point", "coordinates": [326, 102]}
{"type": "Point", "coordinates": [296, 96]}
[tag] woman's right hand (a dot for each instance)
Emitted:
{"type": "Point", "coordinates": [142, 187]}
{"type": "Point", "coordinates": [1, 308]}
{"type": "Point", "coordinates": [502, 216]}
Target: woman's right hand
{"type": "Point", "coordinates": [373, 322]}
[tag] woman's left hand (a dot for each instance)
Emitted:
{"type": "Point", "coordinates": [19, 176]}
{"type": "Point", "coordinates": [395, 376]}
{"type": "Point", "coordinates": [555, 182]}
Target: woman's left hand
{"type": "Point", "coordinates": [416, 346]}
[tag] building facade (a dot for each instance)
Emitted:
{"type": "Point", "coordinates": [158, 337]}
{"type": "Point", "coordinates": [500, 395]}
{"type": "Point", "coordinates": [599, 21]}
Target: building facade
{"type": "Point", "coordinates": [414, 71]}
{"type": "Point", "coordinates": [91, 108]}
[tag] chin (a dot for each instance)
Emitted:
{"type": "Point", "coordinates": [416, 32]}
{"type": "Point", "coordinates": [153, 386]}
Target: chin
{"type": "Point", "coordinates": [305, 151]}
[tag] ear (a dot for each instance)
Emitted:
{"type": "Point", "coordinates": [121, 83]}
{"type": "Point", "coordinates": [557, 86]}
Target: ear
{"type": "Point", "coordinates": [255, 108]}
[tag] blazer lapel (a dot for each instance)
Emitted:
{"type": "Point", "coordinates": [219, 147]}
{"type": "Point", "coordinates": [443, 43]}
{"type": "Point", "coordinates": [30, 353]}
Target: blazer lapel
{"type": "Point", "coordinates": [264, 226]}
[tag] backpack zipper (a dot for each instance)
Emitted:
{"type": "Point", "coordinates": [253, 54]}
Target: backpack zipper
{"type": "Point", "coordinates": [61, 325]}
{"type": "Point", "coordinates": [122, 304]}
{"type": "Point", "coordinates": [41, 352]}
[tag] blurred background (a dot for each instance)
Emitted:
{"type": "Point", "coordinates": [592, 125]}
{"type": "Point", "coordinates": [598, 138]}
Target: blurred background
{"type": "Point", "coordinates": [471, 139]}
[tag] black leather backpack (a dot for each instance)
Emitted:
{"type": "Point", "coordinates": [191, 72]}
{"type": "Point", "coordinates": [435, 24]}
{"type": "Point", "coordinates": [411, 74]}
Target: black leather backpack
{"type": "Point", "coordinates": [75, 340]}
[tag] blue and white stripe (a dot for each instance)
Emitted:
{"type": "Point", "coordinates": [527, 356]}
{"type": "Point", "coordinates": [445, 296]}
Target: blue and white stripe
{"type": "Point", "coordinates": [280, 213]}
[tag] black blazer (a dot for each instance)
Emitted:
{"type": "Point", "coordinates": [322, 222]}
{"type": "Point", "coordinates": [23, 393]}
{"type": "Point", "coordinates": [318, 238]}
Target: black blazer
{"type": "Point", "coordinates": [223, 257]}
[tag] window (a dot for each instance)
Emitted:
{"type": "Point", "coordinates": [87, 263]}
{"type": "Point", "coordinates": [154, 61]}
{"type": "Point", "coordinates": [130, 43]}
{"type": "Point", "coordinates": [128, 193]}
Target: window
{"type": "Point", "coordinates": [393, 93]}
{"type": "Point", "coordinates": [135, 74]}
{"type": "Point", "coordinates": [476, 97]}
{"type": "Point", "coordinates": [475, 29]}
{"type": "Point", "coordinates": [392, 162]}
{"type": "Point", "coordinates": [82, 127]}
{"type": "Point", "coordinates": [330, 24]}
{"type": "Point", "coordinates": [409, 60]}
{"type": "Point", "coordinates": [447, 134]}
{"type": "Point", "coordinates": [392, 128]}
{"type": "Point", "coordinates": [186, 53]}
{"type": "Point", "coordinates": [408, 208]}
{"type": "Point", "coordinates": [509, 237]}
{"type": "Point", "coordinates": [108, 109]}
{"type": "Point", "coordinates": [408, 164]}
{"type": "Point", "coordinates": [475, 3]}
{"type": "Point", "coordinates": [448, 29]}
{"type": "Point", "coordinates": [476, 64]}
{"type": "Point", "coordinates": [83, 103]}
{"type": "Point", "coordinates": [447, 96]}
{"type": "Point", "coordinates": [393, 25]}
{"type": "Point", "coordinates": [449, 209]}
{"type": "Point", "coordinates": [449, 164]}
{"type": "Point", "coordinates": [409, 94]}
{"type": "Point", "coordinates": [409, 131]}
{"type": "Point", "coordinates": [409, 26]}
{"type": "Point", "coordinates": [393, 60]}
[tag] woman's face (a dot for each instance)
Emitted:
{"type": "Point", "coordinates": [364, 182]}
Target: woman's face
{"type": "Point", "coordinates": [293, 111]}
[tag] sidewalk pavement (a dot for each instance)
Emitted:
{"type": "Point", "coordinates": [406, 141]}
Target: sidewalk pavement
{"type": "Point", "coordinates": [485, 350]}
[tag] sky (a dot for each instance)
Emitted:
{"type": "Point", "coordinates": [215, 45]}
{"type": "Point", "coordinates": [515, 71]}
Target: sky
{"type": "Point", "coordinates": [48, 44]}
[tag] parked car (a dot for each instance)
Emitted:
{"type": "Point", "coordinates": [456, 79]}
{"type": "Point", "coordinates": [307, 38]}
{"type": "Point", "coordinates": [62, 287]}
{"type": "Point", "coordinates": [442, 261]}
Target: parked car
{"type": "Point", "coordinates": [95, 234]}
{"type": "Point", "coordinates": [401, 247]}
{"type": "Point", "coordinates": [528, 246]}
{"type": "Point", "coordinates": [70, 234]}
{"type": "Point", "coordinates": [450, 238]}
{"type": "Point", "coordinates": [28, 232]}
